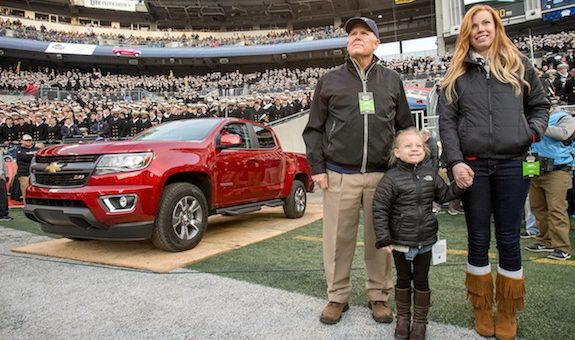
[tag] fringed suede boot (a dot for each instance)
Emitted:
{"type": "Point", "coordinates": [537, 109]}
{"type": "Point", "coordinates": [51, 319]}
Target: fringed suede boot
{"type": "Point", "coordinates": [510, 295]}
{"type": "Point", "coordinates": [480, 294]}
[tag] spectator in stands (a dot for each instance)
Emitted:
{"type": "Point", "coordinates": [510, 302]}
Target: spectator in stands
{"type": "Point", "coordinates": [348, 178]}
{"type": "Point", "coordinates": [562, 75]}
{"type": "Point", "coordinates": [145, 122]}
{"type": "Point", "coordinates": [492, 107]}
{"type": "Point", "coordinates": [569, 88]}
{"type": "Point", "coordinates": [24, 155]}
{"type": "Point", "coordinates": [7, 130]}
{"type": "Point", "coordinates": [548, 191]}
{"type": "Point", "coordinates": [21, 126]}
{"type": "Point", "coordinates": [69, 129]}
{"type": "Point", "coordinates": [53, 130]}
{"type": "Point", "coordinates": [39, 128]}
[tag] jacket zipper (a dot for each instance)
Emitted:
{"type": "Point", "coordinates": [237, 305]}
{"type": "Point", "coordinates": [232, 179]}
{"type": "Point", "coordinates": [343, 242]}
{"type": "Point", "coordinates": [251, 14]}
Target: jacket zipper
{"type": "Point", "coordinates": [419, 210]}
{"type": "Point", "coordinates": [363, 77]}
{"type": "Point", "coordinates": [331, 130]}
{"type": "Point", "coordinates": [490, 145]}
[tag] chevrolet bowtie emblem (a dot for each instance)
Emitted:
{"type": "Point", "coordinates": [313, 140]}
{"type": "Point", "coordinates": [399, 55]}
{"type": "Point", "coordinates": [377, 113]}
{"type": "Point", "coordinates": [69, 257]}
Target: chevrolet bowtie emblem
{"type": "Point", "coordinates": [54, 167]}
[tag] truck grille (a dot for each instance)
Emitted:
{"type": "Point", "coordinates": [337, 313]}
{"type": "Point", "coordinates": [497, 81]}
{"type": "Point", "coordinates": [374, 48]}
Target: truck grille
{"type": "Point", "coordinates": [68, 159]}
{"type": "Point", "coordinates": [62, 179]}
{"type": "Point", "coordinates": [56, 203]}
{"type": "Point", "coordinates": [62, 171]}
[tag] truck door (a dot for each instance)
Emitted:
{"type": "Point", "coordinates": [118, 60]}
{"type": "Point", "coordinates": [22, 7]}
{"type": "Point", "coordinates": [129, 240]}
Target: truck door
{"type": "Point", "coordinates": [273, 163]}
{"type": "Point", "coordinates": [236, 168]}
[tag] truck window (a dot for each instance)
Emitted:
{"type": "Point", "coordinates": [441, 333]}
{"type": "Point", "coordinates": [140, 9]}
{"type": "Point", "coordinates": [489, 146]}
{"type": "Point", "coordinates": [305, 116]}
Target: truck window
{"type": "Point", "coordinates": [241, 130]}
{"type": "Point", "coordinates": [265, 137]}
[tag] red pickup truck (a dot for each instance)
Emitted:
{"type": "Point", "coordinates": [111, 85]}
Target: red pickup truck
{"type": "Point", "coordinates": [164, 183]}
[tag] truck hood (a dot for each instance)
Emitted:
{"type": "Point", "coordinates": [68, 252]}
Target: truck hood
{"type": "Point", "coordinates": [118, 147]}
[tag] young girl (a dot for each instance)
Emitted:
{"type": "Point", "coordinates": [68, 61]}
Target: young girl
{"type": "Point", "coordinates": [405, 225]}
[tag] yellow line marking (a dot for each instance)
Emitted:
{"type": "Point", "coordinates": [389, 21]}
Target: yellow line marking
{"type": "Point", "coordinates": [555, 262]}
{"type": "Point", "coordinates": [460, 252]}
{"type": "Point", "coordinates": [309, 238]}
{"type": "Point", "coordinates": [319, 239]}
{"type": "Point", "coordinates": [360, 243]}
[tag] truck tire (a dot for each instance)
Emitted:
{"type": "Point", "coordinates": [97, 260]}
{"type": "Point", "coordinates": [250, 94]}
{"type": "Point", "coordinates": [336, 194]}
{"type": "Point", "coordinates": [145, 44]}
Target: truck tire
{"type": "Point", "coordinates": [182, 218]}
{"type": "Point", "coordinates": [295, 204]}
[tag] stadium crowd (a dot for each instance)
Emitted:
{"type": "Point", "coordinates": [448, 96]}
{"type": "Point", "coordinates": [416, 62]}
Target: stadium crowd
{"type": "Point", "coordinates": [554, 43]}
{"type": "Point", "coordinates": [277, 80]}
{"type": "Point", "coordinates": [52, 121]}
{"type": "Point", "coordinates": [188, 39]}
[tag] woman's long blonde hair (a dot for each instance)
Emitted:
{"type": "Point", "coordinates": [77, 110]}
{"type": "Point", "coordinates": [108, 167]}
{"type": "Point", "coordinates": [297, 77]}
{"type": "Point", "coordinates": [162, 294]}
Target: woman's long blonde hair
{"type": "Point", "coordinates": [503, 56]}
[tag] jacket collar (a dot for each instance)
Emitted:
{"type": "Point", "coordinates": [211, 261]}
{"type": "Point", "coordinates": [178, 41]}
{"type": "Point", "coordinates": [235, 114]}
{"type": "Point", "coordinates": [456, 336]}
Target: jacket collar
{"type": "Point", "coordinates": [349, 62]}
{"type": "Point", "coordinates": [407, 166]}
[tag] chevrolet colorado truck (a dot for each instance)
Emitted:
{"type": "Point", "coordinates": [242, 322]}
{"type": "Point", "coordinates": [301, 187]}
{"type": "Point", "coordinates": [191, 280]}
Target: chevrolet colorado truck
{"type": "Point", "coordinates": [164, 183]}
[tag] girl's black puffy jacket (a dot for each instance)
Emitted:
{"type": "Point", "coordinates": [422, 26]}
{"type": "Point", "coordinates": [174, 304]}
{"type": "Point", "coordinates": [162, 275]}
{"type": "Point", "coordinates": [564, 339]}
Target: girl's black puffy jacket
{"type": "Point", "coordinates": [402, 205]}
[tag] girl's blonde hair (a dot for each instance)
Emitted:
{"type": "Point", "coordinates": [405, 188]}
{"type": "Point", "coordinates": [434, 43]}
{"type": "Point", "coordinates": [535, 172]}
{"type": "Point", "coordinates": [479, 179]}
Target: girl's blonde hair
{"type": "Point", "coordinates": [503, 56]}
{"type": "Point", "coordinates": [409, 131]}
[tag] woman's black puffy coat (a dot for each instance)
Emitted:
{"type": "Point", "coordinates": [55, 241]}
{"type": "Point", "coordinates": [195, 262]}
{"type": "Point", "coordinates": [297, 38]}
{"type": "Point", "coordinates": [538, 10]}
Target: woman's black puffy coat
{"type": "Point", "coordinates": [402, 205]}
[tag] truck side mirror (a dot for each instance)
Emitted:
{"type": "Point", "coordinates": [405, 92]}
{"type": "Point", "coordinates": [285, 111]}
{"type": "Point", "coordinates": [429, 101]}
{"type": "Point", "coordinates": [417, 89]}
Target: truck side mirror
{"type": "Point", "coordinates": [230, 140]}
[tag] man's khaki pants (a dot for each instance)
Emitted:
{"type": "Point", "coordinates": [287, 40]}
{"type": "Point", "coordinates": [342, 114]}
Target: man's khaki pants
{"type": "Point", "coordinates": [24, 182]}
{"type": "Point", "coordinates": [547, 199]}
{"type": "Point", "coordinates": [342, 201]}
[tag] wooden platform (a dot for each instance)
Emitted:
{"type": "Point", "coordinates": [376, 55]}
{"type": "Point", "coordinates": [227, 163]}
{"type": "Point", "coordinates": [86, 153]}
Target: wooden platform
{"type": "Point", "coordinates": [224, 233]}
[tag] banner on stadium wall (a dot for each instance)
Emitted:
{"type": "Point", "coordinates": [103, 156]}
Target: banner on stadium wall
{"type": "Point", "coordinates": [506, 8]}
{"type": "Point", "coordinates": [115, 5]}
{"type": "Point", "coordinates": [549, 5]}
{"type": "Point", "coordinates": [65, 48]}
{"type": "Point", "coordinates": [559, 14]}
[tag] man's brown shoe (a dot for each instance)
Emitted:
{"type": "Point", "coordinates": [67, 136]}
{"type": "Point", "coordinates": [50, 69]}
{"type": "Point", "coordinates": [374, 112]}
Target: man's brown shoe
{"type": "Point", "coordinates": [380, 311]}
{"type": "Point", "coordinates": [332, 312]}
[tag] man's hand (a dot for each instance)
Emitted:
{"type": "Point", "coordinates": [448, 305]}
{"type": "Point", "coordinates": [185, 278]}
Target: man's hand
{"type": "Point", "coordinates": [463, 175]}
{"type": "Point", "coordinates": [388, 249]}
{"type": "Point", "coordinates": [320, 180]}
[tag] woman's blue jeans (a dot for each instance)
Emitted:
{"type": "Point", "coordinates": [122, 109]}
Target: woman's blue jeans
{"type": "Point", "coordinates": [498, 189]}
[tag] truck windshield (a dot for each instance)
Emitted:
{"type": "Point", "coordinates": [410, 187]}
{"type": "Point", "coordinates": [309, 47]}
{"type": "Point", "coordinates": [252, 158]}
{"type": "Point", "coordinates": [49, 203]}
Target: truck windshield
{"type": "Point", "coordinates": [181, 130]}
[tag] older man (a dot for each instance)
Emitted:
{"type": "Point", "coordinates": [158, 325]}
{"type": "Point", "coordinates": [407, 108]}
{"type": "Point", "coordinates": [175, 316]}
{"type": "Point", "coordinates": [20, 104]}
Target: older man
{"type": "Point", "coordinates": [356, 109]}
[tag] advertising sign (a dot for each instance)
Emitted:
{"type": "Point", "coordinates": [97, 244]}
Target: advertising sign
{"type": "Point", "coordinates": [65, 48]}
{"type": "Point", "coordinates": [116, 5]}
{"type": "Point", "coordinates": [506, 8]}
{"type": "Point", "coordinates": [548, 5]}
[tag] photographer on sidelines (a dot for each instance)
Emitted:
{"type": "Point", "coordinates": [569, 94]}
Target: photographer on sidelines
{"type": "Point", "coordinates": [548, 191]}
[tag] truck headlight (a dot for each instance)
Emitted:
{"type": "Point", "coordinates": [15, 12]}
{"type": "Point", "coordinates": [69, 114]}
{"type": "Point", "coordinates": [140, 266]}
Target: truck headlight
{"type": "Point", "coordinates": [123, 162]}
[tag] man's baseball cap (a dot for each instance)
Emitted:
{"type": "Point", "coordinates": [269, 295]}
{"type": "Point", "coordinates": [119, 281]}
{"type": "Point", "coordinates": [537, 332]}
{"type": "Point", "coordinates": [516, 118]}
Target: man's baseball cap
{"type": "Point", "coordinates": [26, 137]}
{"type": "Point", "coordinates": [366, 21]}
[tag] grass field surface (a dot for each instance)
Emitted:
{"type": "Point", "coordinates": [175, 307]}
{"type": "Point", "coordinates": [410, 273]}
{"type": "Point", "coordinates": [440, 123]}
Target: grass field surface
{"type": "Point", "coordinates": [293, 262]}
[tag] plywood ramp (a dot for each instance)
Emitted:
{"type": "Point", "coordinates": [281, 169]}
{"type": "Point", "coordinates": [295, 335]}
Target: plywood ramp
{"type": "Point", "coordinates": [224, 233]}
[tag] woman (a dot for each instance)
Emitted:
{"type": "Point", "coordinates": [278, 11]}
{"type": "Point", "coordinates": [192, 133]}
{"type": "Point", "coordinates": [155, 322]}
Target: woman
{"type": "Point", "coordinates": [492, 108]}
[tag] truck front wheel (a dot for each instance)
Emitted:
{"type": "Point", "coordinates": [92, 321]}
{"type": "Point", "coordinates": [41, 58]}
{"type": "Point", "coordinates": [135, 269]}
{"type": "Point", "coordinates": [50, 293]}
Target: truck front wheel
{"type": "Point", "coordinates": [182, 218]}
{"type": "Point", "coordinates": [295, 204]}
